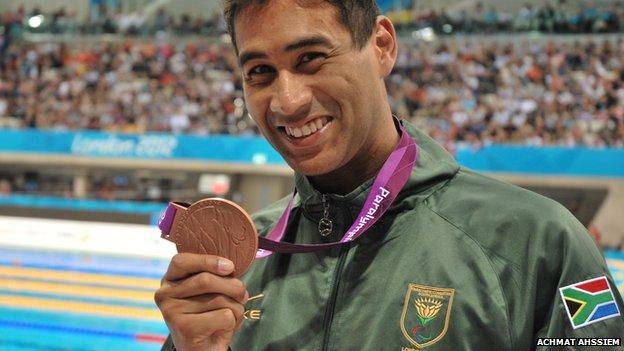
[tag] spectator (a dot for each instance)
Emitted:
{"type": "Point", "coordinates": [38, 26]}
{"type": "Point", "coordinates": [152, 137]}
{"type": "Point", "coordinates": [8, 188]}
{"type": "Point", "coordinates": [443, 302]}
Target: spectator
{"type": "Point", "coordinates": [5, 187]}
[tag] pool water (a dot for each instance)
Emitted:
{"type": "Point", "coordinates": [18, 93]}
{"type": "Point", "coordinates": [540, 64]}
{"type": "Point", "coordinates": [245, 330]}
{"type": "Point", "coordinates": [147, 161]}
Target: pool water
{"type": "Point", "coordinates": [60, 301]}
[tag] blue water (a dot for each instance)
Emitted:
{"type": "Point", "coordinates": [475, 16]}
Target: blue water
{"type": "Point", "coordinates": [30, 329]}
{"type": "Point", "coordinates": [136, 267]}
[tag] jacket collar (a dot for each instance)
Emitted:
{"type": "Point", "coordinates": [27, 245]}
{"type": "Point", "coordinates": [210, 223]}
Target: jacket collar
{"type": "Point", "coordinates": [433, 168]}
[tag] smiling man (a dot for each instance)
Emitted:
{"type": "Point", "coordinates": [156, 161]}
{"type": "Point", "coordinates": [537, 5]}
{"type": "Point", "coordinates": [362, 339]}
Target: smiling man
{"type": "Point", "coordinates": [318, 96]}
{"type": "Point", "coordinates": [433, 255]}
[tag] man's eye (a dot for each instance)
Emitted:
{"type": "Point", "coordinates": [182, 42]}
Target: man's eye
{"type": "Point", "coordinates": [305, 58]}
{"type": "Point", "coordinates": [260, 70]}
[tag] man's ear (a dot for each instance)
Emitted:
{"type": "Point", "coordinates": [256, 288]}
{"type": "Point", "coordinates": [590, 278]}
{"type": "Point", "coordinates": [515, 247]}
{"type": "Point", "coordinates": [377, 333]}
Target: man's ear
{"type": "Point", "coordinates": [385, 44]}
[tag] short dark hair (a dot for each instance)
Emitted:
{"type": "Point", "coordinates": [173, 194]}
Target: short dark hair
{"type": "Point", "coordinates": [358, 16]}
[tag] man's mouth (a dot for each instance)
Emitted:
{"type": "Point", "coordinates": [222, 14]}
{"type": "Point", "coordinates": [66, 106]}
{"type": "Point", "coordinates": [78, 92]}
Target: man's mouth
{"type": "Point", "coordinates": [306, 130]}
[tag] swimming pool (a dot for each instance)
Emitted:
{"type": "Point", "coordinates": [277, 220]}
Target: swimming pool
{"type": "Point", "coordinates": [65, 301]}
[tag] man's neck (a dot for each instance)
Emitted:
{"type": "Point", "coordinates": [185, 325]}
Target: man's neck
{"type": "Point", "coordinates": [364, 166]}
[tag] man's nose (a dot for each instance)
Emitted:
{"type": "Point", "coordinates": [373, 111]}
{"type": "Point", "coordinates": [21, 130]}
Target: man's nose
{"type": "Point", "coordinates": [292, 95]}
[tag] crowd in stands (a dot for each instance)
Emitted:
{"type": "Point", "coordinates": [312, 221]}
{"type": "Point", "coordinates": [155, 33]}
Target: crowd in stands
{"type": "Point", "coordinates": [134, 23]}
{"type": "Point", "coordinates": [550, 17]}
{"type": "Point", "coordinates": [547, 18]}
{"type": "Point", "coordinates": [532, 93]}
{"type": "Point", "coordinates": [564, 93]}
{"type": "Point", "coordinates": [125, 88]}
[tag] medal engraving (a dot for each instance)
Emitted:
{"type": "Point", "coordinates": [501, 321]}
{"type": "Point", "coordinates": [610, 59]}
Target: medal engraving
{"type": "Point", "coordinates": [217, 227]}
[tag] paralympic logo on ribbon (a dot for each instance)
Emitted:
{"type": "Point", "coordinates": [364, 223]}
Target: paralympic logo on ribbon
{"type": "Point", "coordinates": [370, 213]}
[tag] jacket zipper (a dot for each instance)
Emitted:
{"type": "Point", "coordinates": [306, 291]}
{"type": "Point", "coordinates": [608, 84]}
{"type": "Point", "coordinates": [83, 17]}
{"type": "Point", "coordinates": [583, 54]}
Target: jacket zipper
{"type": "Point", "coordinates": [331, 304]}
{"type": "Point", "coordinates": [333, 296]}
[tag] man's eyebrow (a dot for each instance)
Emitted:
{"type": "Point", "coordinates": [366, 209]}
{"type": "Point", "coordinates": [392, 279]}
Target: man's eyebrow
{"type": "Point", "coordinates": [311, 41]}
{"type": "Point", "coordinates": [248, 56]}
{"type": "Point", "coordinates": [305, 42]}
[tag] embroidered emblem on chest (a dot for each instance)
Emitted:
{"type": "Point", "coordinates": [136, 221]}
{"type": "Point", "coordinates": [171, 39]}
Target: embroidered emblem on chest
{"type": "Point", "coordinates": [589, 301]}
{"type": "Point", "coordinates": [426, 314]}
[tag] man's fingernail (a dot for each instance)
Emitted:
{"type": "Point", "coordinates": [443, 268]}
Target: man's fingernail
{"type": "Point", "coordinates": [246, 298]}
{"type": "Point", "coordinates": [225, 266]}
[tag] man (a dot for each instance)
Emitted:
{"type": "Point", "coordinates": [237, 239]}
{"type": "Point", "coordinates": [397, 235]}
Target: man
{"type": "Point", "coordinates": [458, 262]}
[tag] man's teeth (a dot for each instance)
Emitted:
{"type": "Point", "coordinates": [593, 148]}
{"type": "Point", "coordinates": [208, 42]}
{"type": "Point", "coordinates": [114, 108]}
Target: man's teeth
{"type": "Point", "coordinates": [307, 129]}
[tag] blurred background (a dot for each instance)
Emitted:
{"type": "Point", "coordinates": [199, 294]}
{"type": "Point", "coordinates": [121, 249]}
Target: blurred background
{"type": "Point", "coordinates": [111, 108]}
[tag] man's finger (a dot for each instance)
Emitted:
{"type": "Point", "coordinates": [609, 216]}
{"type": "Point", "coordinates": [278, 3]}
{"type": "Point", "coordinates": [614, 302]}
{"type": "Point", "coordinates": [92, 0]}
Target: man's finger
{"type": "Point", "coordinates": [184, 265]}
{"type": "Point", "coordinates": [205, 303]}
{"type": "Point", "coordinates": [207, 283]}
{"type": "Point", "coordinates": [206, 323]}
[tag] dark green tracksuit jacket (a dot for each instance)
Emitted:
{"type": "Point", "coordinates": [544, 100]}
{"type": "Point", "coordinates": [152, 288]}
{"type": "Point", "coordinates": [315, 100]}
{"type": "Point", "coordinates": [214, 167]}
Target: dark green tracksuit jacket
{"type": "Point", "coordinates": [459, 262]}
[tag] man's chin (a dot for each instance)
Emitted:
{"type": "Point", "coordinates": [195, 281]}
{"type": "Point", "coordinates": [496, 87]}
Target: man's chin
{"type": "Point", "coordinates": [311, 168]}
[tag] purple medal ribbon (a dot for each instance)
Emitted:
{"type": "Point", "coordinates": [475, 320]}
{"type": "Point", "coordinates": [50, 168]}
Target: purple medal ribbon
{"type": "Point", "coordinates": [389, 181]}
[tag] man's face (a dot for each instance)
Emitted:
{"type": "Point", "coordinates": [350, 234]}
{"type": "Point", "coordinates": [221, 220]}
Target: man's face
{"type": "Point", "coordinates": [314, 96]}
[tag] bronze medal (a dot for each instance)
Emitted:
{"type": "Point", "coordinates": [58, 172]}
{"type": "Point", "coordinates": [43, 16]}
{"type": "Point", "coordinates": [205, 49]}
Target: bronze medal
{"type": "Point", "coordinates": [215, 227]}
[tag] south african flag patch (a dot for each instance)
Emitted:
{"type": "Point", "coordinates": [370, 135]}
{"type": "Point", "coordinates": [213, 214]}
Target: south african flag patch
{"type": "Point", "coordinates": [589, 301]}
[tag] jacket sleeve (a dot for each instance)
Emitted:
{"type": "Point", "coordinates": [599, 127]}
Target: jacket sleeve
{"type": "Point", "coordinates": [168, 345]}
{"type": "Point", "coordinates": [584, 299]}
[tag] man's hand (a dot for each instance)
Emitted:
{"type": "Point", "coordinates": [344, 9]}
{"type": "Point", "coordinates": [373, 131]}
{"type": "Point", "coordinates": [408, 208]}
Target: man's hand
{"type": "Point", "coordinates": [200, 303]}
